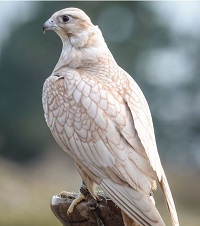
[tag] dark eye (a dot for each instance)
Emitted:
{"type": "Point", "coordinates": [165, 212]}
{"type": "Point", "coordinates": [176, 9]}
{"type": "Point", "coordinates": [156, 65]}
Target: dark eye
{"type": "Point", "coordinates": [65, 18]}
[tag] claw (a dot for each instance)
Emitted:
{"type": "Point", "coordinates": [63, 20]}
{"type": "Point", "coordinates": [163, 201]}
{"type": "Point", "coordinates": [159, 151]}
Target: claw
{"type": "Point", "coordinates": [75, 202]}
{"type": "Point", "coordinates": [65, 194]}
{"type": "Point", "coordinates": [82, 196]}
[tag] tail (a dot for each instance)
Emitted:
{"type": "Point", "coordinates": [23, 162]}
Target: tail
{"type": "Point", "coordinates": [136, 206]}
{"type": "Point", "coordinates": [169, 199]}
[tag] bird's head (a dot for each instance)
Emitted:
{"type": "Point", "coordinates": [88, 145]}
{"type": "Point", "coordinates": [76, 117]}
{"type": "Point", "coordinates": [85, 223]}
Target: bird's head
{"type": "Point", "coordinates": [72, 24]}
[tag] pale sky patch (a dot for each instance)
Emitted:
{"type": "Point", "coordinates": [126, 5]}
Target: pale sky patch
{"type": "Point", "coordinates": [12, 14]}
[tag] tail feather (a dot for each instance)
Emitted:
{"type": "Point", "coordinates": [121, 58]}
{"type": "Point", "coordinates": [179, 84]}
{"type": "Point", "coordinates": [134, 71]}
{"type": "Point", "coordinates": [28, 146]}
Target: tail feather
{"type": "Point", "coordinates": [128, 221]}
{"type": "Point", "coordinates": [135, 204]}
{"type": "Point", "coordinates": [169, 199]}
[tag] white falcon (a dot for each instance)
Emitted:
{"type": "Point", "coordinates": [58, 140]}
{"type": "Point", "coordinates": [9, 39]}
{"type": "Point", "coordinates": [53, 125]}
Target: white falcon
{"type": "Point", "coordinates": [100, 117]}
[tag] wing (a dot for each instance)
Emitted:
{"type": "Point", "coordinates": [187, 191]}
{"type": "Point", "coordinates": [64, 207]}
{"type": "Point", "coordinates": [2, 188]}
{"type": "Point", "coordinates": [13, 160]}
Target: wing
{"type": "Point", "coordinates": [139, 109]}
{"type": "Point", "coordinates": [142, 119]}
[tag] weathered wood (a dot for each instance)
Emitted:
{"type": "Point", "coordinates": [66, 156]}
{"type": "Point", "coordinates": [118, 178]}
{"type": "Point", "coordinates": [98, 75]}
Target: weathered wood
{"type": "Point", "coordinates": [88, 212]}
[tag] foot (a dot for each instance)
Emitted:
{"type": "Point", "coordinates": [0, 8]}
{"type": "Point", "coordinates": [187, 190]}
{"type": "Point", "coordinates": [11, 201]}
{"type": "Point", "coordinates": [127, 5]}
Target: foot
{"type": "Point", "coordinates": [75, 202]}
{"type": "Point", "coordinates": [82, 196]}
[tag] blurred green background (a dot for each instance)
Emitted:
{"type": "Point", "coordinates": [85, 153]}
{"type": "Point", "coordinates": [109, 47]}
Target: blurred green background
{"type": "Point", "coordinates": [158, 43]}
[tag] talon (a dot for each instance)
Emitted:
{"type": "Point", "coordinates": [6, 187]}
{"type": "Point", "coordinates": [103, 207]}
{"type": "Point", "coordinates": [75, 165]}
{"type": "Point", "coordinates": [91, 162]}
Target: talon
{"type": "Point", "coordinates": [63, 194]}
{"type": "Point", "coordinates": [75, 202]}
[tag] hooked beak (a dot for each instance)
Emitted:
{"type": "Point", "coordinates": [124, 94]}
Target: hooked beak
{"type": "Point", "coordinates": [48, 25]}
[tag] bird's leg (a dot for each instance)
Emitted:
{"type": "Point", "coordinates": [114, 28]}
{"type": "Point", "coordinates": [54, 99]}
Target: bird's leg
{"type": "Point", "coordinates": [83, 189]}
{"type": "Point", "coordinates": [82, 196]}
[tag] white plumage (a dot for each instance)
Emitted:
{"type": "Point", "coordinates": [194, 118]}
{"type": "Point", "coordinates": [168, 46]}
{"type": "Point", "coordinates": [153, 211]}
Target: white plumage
{"type": "Point", "coordinates": [98, 115]}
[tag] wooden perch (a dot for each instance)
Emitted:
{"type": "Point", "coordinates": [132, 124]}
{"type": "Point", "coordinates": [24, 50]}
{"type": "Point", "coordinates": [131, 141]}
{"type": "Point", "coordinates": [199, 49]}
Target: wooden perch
{"type": "Point", "coordinates": [88, 212]}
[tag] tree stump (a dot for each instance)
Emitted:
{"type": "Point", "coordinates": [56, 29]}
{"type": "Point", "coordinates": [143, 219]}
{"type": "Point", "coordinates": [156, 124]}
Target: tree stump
{"type": "Point", "coordinates": [88, 212]}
